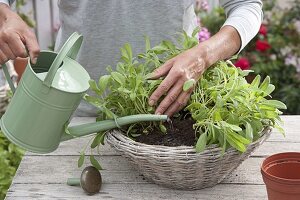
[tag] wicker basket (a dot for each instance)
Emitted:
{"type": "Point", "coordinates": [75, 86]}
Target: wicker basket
{"type": "Point", "coordinates": [181, 167]}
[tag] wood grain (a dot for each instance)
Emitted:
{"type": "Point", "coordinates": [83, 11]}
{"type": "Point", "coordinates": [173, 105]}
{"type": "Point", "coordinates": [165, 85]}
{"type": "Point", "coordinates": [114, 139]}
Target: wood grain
{"type": "Point", "coordinates": [44, 176]}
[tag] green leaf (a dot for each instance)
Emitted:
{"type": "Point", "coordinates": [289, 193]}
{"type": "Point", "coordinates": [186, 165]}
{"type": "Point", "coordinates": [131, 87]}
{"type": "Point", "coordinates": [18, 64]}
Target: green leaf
{"type": "Point", "coordinates": [98, 139]}
{"type": "Point", "coordinates": [126, 53]}
{"type": "Point", "coordinates": [195, 31]}
{"type": "Point", "coordinates": [102, 83]}
{"type": "Point", "coordinates": [201, 143]}
{"type": "Point", "coordinates": [118, 77]}
{"type": "Point", "coordinates": [81, 159]}
{"type": "Point", "coordinates": [266, 107]}
{"type": "Point", "coordinates": [269, 89]}
{"type": "Point", "coordinates": [235, 143]}
{"type": "Point", "coordinates": [132, 96]}
{"type": "Point", "coordinates": [162, 128]}
{"type": "Point", "coordinates": [127, 47]}
{"type": "Point", "coordinates": [231, 126]}
{"type": "Point", "coordinates": [256, 126]}
{"type": "Point", "coordinates": [159, 49]}
{"type": "Point", "coordinates": [169, 45]}
{"type": "Point", "coordinates": [240, 138]}
{"type": "Point", "coordinates": [264, 85]}
{"type": "Point", "coordinates": [94, 87]}
{"type": "Point", "coordinates": [217, 116]}
{"type": "Point", "coordinates": [92, 100]}
{"type": "Point", "coordinates": [188, 84]}
{"type": "Point", "coordinates": [249, 132]}
{"type": "Point", "coordinates": [147, 43]}
{"type": "Point", "coordinates": [274, 103]}
{"type": "Point", "coordinates": [255, 82]}
{"type": "Point", "coordinates": [95, 162]}
{"type": "Point", "coordinates": [108, 113]}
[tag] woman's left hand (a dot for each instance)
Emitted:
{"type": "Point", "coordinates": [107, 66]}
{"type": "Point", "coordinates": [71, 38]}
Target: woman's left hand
{"type": "Point", "coordinates": [186, 66]}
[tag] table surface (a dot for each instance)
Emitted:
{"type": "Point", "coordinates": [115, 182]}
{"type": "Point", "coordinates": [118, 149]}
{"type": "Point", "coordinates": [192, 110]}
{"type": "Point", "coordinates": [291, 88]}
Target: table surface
{"type": "Point", "coordinates": [44, 176]}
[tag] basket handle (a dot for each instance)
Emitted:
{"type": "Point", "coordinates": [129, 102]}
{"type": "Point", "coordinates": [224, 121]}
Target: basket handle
{"type": "Point", "coordinates": [69, 49]}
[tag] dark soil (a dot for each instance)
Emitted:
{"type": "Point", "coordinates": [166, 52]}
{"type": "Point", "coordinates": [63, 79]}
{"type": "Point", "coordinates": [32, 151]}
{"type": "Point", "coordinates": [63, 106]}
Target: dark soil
{"type": "Point", "coordinates": [179, 132]}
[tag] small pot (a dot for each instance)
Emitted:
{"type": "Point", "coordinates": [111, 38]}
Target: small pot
{"type": "Point", "coordinates": [20, 65]}
{"type": "Point", "coordinates": [281, 174]}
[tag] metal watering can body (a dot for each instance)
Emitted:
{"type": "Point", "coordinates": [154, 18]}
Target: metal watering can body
{"type": "Point", "coordinates": [47, 95]}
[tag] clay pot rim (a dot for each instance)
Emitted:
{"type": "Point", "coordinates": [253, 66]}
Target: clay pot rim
{"type": "Point", "coordinates": [287, 156]}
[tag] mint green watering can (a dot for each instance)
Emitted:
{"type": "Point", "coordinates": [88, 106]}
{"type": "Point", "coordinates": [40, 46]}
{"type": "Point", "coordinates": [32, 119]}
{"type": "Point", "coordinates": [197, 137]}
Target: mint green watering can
{"type": "Point", "coordinates": [49, 92]}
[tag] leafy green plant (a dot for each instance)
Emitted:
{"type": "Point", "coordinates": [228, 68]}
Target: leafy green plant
{"type": "Point", "coordinates": [10, 157]}
{"type": "Point", "coordinates": [226, 109]}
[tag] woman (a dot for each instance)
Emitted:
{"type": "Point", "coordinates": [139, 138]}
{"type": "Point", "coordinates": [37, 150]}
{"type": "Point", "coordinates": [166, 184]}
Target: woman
{"type": "Point", "coordinates": [106, 25]}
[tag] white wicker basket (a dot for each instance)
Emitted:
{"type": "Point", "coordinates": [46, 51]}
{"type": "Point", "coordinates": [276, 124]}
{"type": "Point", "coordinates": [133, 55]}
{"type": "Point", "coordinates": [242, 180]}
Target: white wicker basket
{"type": "Point", "coordinates": [181, 167]}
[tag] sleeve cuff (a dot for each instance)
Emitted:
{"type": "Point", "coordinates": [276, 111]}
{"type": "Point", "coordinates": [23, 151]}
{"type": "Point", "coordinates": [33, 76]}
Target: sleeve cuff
{"type": "Point", "coordinates": [246, 20]}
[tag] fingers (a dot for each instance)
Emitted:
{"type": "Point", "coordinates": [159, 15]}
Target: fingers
{"type": "Point", "coordinates": [170, 98]}
{"type": "Point", "coordinates": [32, 46]}
{"type": "Point", "coordinates": [15, 35]}
{"type": "Point", "coordinates": [7, 51]}
{"type": "Point", "coordinates": [12, 46]}
{"type": "Point", "coordinates": [179, 103]}
{"type": "Point", "coordinates": [17, 47]}
{"type": "Point", "coordinates": [3, 58]}
{"type": "Point", "coordinates": [162, 89]}
{"type": "Point", "coordinates": [162, 70]}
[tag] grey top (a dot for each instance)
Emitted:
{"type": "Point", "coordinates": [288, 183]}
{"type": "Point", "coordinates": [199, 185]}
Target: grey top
{"type": "Point", "coordinates": [108, 24]}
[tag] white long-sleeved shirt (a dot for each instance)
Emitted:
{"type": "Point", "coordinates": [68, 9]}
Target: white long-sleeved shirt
{"type": "Point", "coordinates": [108, 24]}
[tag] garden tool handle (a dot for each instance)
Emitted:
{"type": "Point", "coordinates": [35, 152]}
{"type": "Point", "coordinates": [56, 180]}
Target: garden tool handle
{"type": "Point", "coordinates": [7, 76]}
{"type": "Point", "coordinates": [69, 49]}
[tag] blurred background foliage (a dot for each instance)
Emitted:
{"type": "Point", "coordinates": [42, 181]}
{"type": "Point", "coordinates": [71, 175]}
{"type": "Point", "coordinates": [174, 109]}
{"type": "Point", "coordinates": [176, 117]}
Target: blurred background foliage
{"type": "Point", "coordinates": [10, 157]}
{"type": "Point", "coordinates": [275, 50]}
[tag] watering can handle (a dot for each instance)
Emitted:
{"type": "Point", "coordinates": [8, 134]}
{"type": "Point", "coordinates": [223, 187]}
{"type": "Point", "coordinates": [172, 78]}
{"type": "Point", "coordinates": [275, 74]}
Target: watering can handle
{"type": "Point", "coordinates": [7, 76]}
{"type": "Point", "coordinates": [69, 49]}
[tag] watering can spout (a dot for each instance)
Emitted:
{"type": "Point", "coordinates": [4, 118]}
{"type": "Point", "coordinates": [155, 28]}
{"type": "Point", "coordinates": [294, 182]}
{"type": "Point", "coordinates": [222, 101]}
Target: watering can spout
{"type": "Point", "coordinates": [49, 92]}
{"type": "Point", "coordinates": [93, 127]}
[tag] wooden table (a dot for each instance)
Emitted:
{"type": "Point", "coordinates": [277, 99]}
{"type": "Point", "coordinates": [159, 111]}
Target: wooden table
{"type": "Point", "coordinates": [44, 176]}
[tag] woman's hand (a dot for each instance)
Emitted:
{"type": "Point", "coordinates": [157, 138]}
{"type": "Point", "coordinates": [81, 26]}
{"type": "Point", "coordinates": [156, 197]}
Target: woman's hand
{"type": "Point", "coordinates": [14, 36]}
{"type": "Point", "coordinates": [188, 65]}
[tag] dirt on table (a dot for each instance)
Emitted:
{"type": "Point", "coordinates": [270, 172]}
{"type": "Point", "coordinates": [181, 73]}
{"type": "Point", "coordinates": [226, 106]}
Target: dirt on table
{"type": "Point", "coordinates": [179, 132]}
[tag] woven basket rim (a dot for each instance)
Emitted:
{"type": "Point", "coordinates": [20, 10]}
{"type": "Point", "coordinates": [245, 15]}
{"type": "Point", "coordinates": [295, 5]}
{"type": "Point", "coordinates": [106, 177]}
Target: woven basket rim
{"type": "Point", "coordinates": [181, 167]}
{"type": "Point", "coordinates": [117, 134]}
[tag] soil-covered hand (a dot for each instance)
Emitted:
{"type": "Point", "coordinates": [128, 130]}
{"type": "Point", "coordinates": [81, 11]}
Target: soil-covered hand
{"type": "Point", "coordinates": [188, 65]}
{"type": "Point", "coordinates": [15, 35]}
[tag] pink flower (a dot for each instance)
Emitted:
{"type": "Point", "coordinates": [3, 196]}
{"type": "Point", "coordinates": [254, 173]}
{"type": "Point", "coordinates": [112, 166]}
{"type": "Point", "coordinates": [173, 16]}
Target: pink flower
{"type": "Point", "coordinates": [204, 34]}
{"type": "Point", "coordinates": [263, 30]}
{"type": "Point", "coordinates": [204, 5]}
{"type": "Point", "coordinates": [262, 45]}
{"type": "Point", "coordinates": [243, 63]}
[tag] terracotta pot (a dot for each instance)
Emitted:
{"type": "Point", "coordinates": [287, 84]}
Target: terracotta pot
{"type": "Point", "coordinates": [20, 65]}
{"type": "Point", "coordinates": [281, 174]}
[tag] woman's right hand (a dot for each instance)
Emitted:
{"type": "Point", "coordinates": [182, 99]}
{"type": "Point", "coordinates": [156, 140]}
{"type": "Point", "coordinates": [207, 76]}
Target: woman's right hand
{"type": "Point", "coordinates": [15, 35]}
